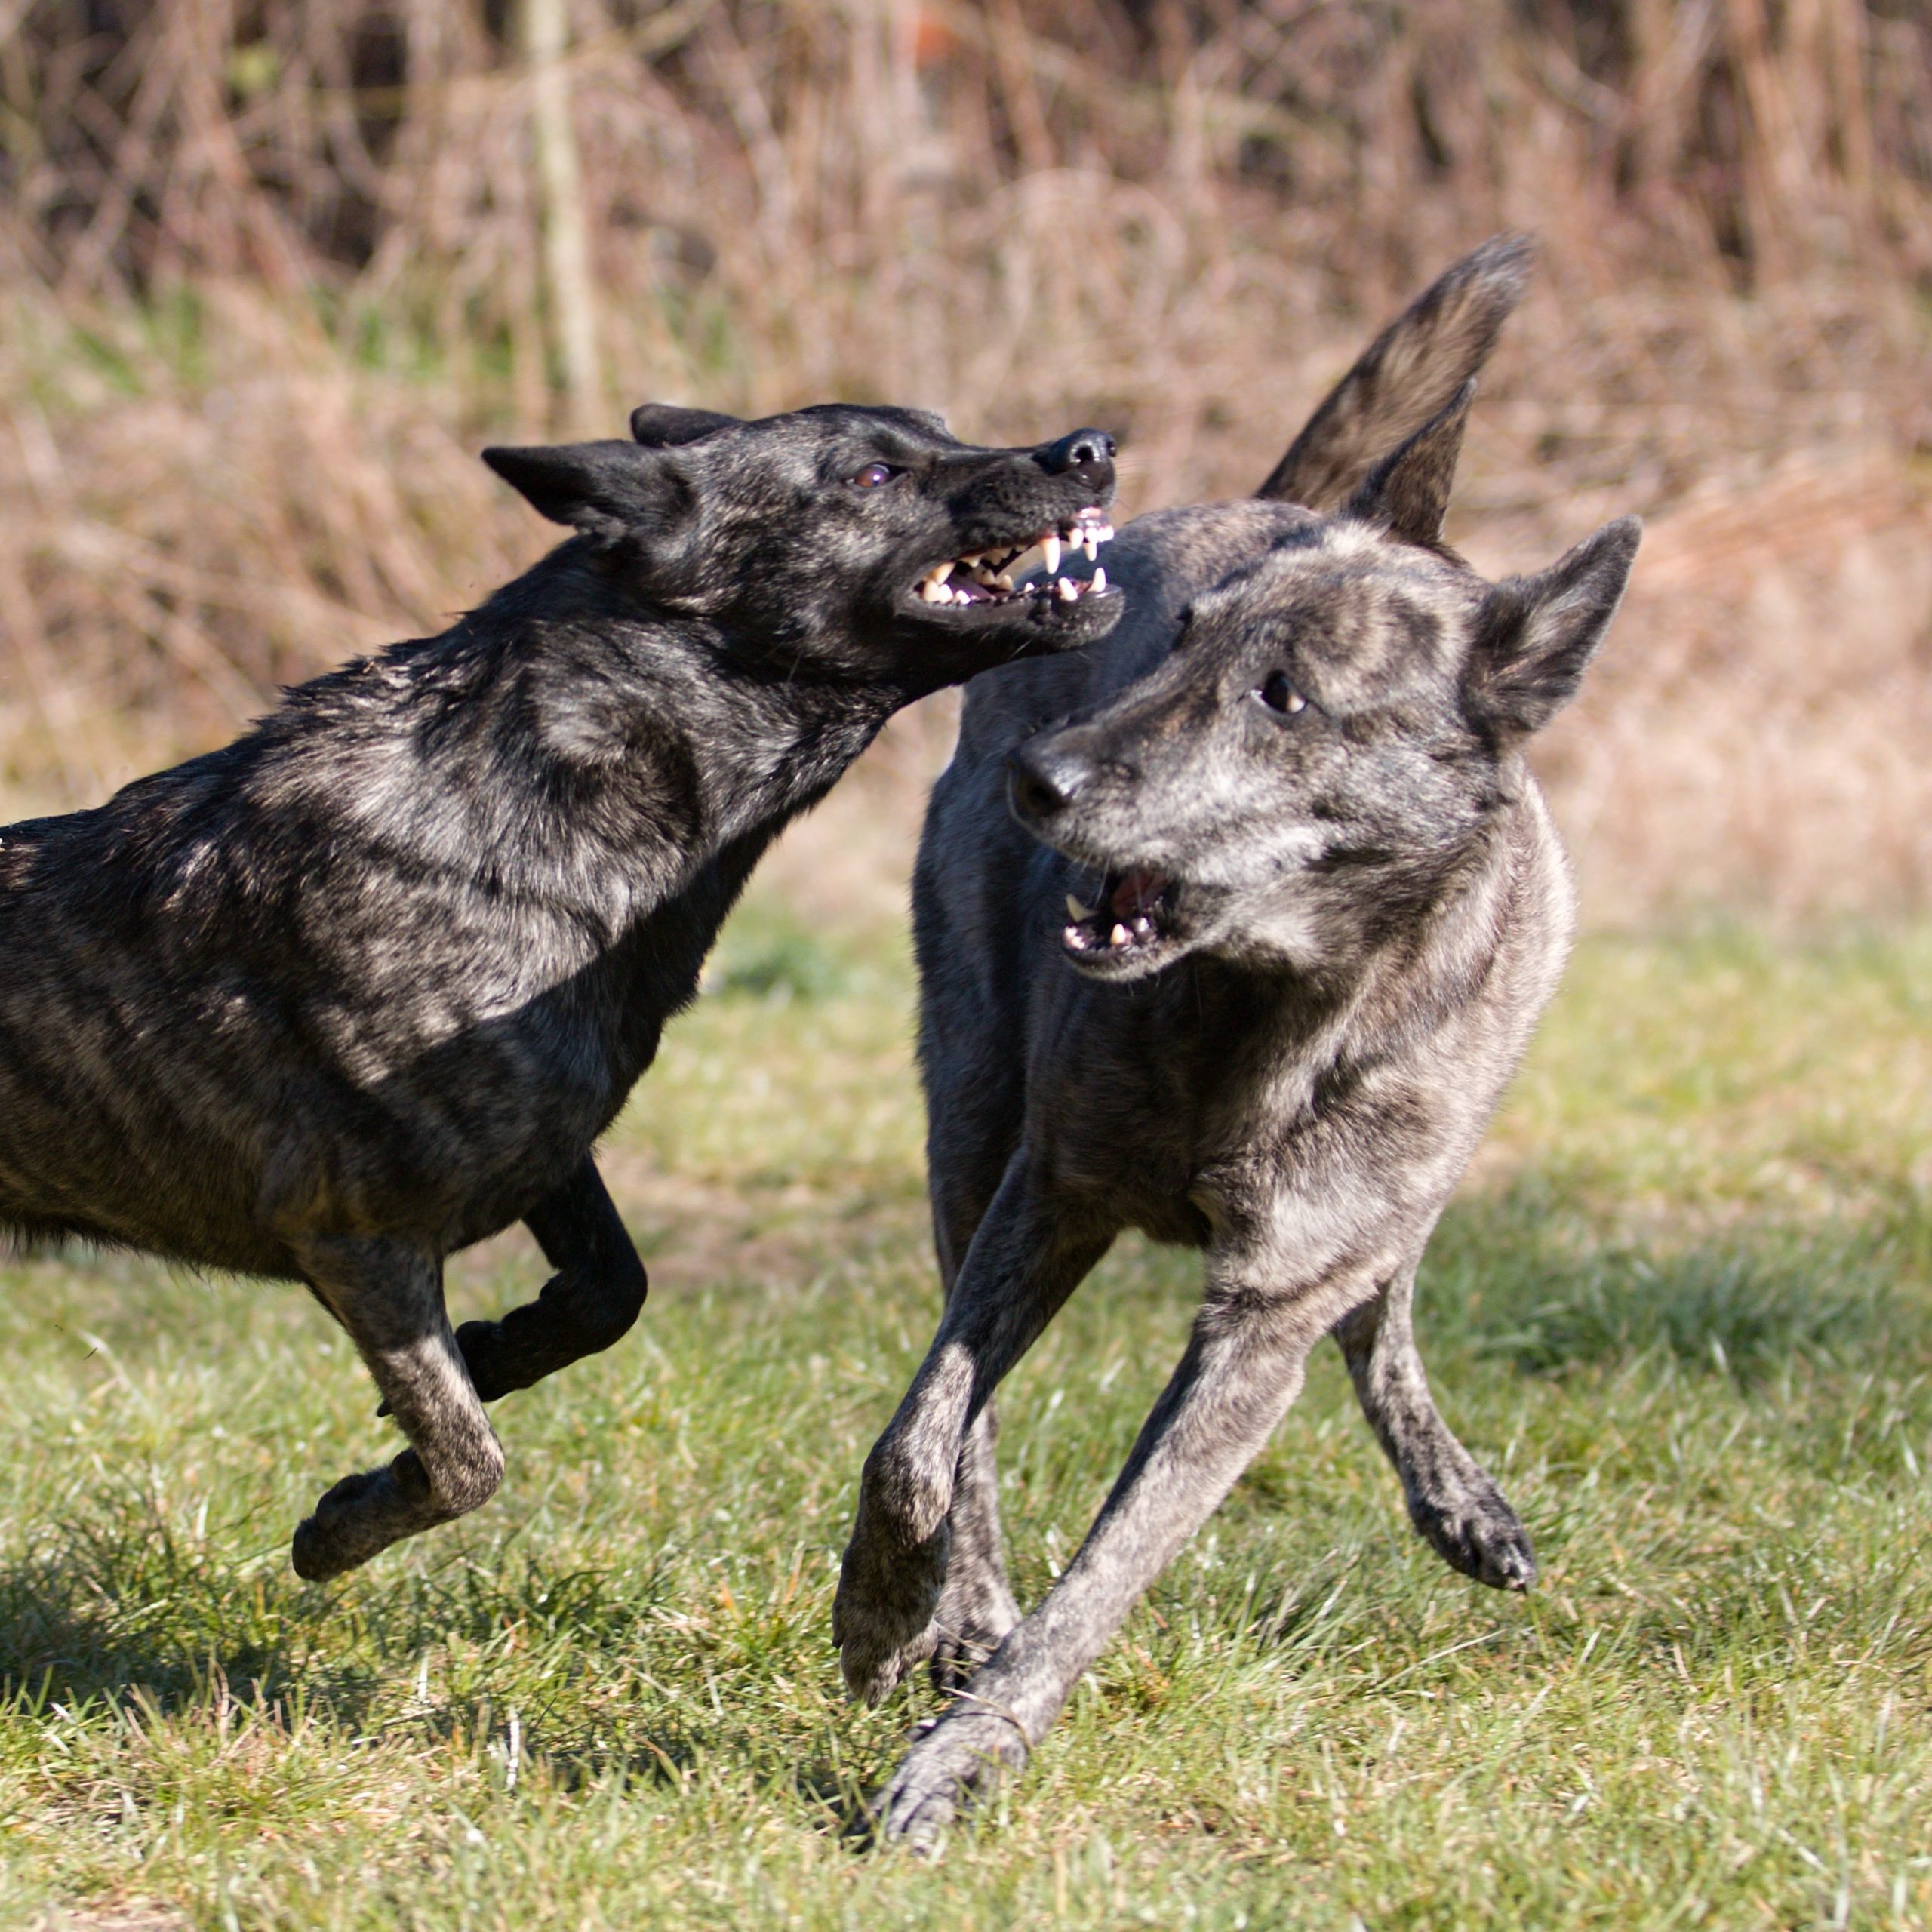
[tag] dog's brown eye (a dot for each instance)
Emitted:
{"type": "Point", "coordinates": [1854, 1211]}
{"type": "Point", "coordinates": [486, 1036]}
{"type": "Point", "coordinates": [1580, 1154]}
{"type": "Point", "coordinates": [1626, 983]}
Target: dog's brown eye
{"type": "Point", "coordinates": [873, 476]}
{"type": "Point", "coordinates": [1277, 694]}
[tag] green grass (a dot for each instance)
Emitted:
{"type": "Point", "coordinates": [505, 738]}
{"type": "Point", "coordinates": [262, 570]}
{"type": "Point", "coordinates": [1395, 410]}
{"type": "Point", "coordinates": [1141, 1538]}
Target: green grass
{"type": "Point", "coordinates": [1683, 1310]}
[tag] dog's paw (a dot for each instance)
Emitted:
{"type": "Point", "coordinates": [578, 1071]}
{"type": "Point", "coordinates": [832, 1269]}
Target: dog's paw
{"type": "Point", "coordinates": [882, 1616]}
{"type": "Point", "coordinates": [361, 1516]}
{"type": "Point", "coordinates": [964, 1757]}
{"type": "Point", "coordinates": [1477, 1532]}
{"type": "Point", "coordinates": [337, 1538]}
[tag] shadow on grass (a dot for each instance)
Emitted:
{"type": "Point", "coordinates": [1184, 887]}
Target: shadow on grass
{"type": "Point", "coordinates": [116, 1603]}
{"type": "Point", "coordinates": [1523, 1276]}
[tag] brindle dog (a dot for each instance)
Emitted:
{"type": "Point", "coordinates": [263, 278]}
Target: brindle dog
{"type": "Point", "coordinates": [366, 986]}
{"type": "Point", "coordinates": [1242, 958]}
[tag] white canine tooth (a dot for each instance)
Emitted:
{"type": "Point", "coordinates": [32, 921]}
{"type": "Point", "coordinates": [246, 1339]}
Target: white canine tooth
{"type": "Point", "coordinates": [1088, 544]}
{"type": "Point", "coordinates": [1100, 578]}
{"type": "Point", "coordinates": [1003, 581]}
{"type": "Point", "coordinates": [1069, 590]}
{"type": "Point", "coordinates": [1076, 911]}
{"type": "Point", "coordinates": [1049, 549]}
{"type": "Point", "coordinates": [1119, 937]}
{"type": "Point", "coordinates": [933, 591]}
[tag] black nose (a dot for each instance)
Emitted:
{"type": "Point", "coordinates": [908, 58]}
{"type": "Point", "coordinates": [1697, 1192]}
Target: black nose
{"type": "Point", "coordinates": [1042, 779]}
{"type": "Point", "coordinates": [1087, 454]}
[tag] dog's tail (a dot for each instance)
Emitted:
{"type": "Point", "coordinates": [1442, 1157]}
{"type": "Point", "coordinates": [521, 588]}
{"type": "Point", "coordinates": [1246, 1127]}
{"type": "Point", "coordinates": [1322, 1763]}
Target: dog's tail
{"type": "Point", "coordinates": [1407, 374]}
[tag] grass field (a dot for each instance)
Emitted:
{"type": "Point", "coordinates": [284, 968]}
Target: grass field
{"type": "Point", "coordinates": [1683, 1309]}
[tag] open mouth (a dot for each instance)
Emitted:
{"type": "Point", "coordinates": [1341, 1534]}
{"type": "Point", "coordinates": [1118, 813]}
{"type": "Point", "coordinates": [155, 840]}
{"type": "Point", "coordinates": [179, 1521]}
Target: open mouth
{"type": "Point", "coordinates": [1134, 918]}
{"type": "Point", "coordinates": [1017, 572]}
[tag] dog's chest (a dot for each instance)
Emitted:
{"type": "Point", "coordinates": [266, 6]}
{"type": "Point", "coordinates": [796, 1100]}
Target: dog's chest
{"type": "Point", "coordinates": [1185, 1117]}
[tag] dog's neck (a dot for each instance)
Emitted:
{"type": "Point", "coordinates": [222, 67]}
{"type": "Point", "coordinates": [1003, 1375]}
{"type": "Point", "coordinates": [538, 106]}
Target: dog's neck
{"type": "Point", "coordinates": [1281, 1026]}
{"type": "Point", "coordinates": [647, 741]}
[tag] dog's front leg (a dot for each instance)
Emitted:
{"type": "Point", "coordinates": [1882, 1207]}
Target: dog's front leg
{"type": "Point", "coordinates": [591, 1303]}
{"type": "Point", "coordinates": [1242, 1369]}
{"type": "Point", "coordinates": [1452, 1500]}
{"type": "Point", "coordinates": [388, 1294]}
{"type": "Point", "coordinates": [1027, 1255]}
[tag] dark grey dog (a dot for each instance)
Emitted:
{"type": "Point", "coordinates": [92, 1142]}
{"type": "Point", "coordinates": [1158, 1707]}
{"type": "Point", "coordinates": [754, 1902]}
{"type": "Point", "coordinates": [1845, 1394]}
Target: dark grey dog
{"type": "Point", "coordinates": [1297, 908]}
{"type": "Point", "coordinates": [365, 986]}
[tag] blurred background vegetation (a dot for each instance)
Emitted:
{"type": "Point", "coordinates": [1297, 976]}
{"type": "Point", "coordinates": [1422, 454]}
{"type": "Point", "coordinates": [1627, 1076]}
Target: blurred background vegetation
{"type": "Point", "coordinates": [274, 268]}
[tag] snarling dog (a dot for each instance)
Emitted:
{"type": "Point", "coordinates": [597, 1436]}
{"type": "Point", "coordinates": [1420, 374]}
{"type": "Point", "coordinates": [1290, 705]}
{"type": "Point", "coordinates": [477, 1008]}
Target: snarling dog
{"type": "Point", "coordinates": [365, 986]}
{"type": "Point", "coordinates": [1242, 957]}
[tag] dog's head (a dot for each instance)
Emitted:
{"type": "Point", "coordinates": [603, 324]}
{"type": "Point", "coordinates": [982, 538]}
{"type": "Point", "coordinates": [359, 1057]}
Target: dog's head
{"type": "Point", "coordinates": [841, 542]}
{"type": "Point", "coordinates": [1316, 761]}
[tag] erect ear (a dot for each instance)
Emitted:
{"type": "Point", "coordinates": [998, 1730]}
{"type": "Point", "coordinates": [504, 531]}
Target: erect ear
{"type": "Point", "coordinates": [661, 426]}
{"type": "Point", "coordinates": [1407, 493]}
{"type": "Point", "coordinates": [1405, 375]}
{"type": "Point", "coordinates": [1536, 635]}
{"type": "Point", "coordinates": [602, 487]}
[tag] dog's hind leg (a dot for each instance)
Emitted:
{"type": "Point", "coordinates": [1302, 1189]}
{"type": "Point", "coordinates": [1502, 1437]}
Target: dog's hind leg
{"type": "Point", "coordinates": [976, 1607]}
{"type": "Point", "coordinates": [1452, 1500]}
{"type": "Point", "coordinates": [389, 1295]}
{"type": "Point", "coordinates": [591, 1303]}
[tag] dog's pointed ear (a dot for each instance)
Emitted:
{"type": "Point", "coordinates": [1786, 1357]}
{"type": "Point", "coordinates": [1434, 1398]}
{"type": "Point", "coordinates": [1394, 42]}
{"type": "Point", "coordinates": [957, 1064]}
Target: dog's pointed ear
{"type": "Point", "coordinates": [1536, 635]}
{"type": "Point", "coordinates": [662, 426]}
{"type": "Point", "coordinates": [1405, 375]}
{"type": "Point", "coordinates": [1407, 493]}
{"type": "Point", "coordinates": [601, 487]}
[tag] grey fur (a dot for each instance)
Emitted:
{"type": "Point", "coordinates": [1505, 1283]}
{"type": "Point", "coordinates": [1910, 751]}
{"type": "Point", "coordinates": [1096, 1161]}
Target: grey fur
{"type": "Point", "coordinates": [365, 986]}
{"type": "Point", "coordinates": [1297, 785]}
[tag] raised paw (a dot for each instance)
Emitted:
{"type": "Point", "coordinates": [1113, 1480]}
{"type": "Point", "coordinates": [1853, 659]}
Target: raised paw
{"type": "Point", "coordinates": [360, 1516]}
{"type": "Point", "coordinates": [962, 1758]}
{"type": "Point", "coordinates": [1476, 1531]}
{"type": "Point", "coordinates": [882, 1616]}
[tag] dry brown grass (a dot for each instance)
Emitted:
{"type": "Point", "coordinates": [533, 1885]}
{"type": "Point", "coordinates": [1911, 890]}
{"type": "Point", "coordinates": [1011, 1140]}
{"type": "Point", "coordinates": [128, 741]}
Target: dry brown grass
{"type": "Point", "coordinates": [273, 272]}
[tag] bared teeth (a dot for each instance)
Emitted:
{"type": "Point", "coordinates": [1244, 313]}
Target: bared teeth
{"type": "Point", "coordinates": [1066, 590]}
{"type": "Point", "coordinates": [1050, 549]}
{"type": "Point", "coordinates": [1119, 937]}
{"type": "Point", "coordinates": [1077, 912]}
{"type": "Point", "coordinates": [1100, 580]}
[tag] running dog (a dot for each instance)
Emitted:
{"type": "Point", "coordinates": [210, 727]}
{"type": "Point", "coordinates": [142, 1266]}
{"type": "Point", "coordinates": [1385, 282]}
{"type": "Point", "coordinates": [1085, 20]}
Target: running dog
{"type": "Point", "coordinates": [1242, 958]}
{"type": "Point", "coordinates": [367, 986]}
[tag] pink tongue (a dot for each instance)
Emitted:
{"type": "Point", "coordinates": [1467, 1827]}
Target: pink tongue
{"type": "Point", "coordinates": [1136, 892]}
